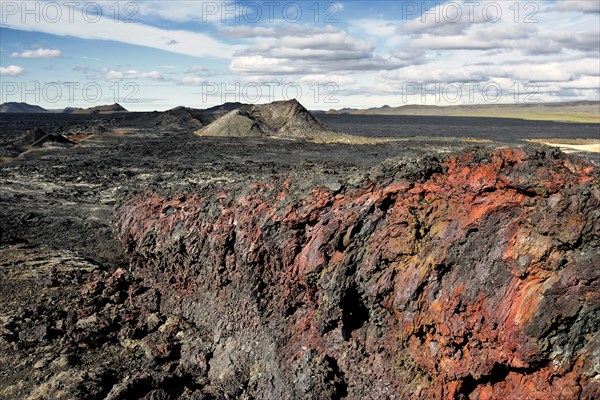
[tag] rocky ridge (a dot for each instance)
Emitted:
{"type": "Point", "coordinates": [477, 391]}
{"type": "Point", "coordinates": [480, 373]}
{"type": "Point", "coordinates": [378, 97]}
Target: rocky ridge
{"type": "Point", "coordinates": [470, 277]}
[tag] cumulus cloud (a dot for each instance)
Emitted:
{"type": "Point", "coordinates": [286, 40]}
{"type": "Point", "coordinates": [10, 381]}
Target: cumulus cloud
{"type": "Point", "coordinates": [433, 73]}
{"type": "Point", "coordinates": [519, 79]}
{"type": "Point", "coordinates": [555, 47]}
{"type": "Point", "coordinates": [244, 81]}
{"type": "Point", "coordinates": [245, 32]}
{"type": "Point", "coordinates": [132, 74]}
{"type": "Point", "coordinates": [531, 27]}
{"type": "Point", "coordinates": [555, 44]}
{"type": "Point", "coordinates": [330, 45]}
{"type": "Point", "coordinates": [193, 80]}
{"type": "Point", "coordinates": [12, 70]}
{"type": "Point", "coordinates": [586, 6]}
{"type": "Point", "coordinates": [253, 32]}
{"type": "Point", "coordinates": [39, 53]}
{"type": "Point", "coordinates": [312, 53]}
{"type": "Point", "coordinates": [515, 71]}
{"type": "Point", "coordinates": [257, 64]}
{"type": "Point", "coordinates": [485, 37]}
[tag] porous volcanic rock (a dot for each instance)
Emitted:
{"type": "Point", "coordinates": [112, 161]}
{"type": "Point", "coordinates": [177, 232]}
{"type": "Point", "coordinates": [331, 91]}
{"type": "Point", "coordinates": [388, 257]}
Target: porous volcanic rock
{"type": "Point", "coordinates": [278, 119]}
{"type": "Point", "coordinates": [181, 117]}
{"type": "Point", "coordinates": [476, 277]}
{"type": "Point", "coordinates": [38, 137]}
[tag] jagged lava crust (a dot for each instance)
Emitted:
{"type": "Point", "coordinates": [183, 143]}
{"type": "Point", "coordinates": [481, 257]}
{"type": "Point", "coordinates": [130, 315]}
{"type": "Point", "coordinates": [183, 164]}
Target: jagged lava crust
{"type": "Point", "coordinates": [473, 277]}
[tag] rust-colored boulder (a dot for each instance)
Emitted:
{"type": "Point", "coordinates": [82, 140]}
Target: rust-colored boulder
{"type": "Point", "coordinates": [476, 277]}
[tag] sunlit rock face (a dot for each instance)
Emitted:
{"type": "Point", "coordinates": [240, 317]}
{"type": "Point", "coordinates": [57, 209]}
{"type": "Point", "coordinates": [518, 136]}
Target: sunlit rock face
{"type": "Point", "coordinates": [284, 119]}
{"type": "Point", "coordinates": [475, 276]}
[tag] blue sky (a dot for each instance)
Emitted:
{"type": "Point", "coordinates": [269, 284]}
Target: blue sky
{"type": "Point", "coordinates": [150, 55]}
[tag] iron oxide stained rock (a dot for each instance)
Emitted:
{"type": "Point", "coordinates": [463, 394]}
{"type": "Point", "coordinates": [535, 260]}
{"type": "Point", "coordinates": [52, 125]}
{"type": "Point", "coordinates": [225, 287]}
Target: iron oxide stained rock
{"type": "Point", "coordinates": [476, 277]}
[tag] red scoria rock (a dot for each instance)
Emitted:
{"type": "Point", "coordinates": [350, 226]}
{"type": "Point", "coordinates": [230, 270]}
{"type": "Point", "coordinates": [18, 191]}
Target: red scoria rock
{"type": "Point", "coordinates": [478, 280]}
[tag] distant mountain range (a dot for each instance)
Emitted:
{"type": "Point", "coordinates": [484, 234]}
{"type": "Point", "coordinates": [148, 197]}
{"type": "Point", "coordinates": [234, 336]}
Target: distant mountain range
{"type": "Point", "coordinates": [21, 108]}
{"type": "Point", "coordinates": [24, 108]}
{"type": "Point", "coordinates": [580, 111]}
{"type": "Point", "coordinates": [437, 109]}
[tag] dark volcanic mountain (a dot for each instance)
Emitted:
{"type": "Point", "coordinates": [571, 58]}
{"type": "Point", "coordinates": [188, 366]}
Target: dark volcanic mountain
{"type": "Point", "coordinates": [176, 119]}
{"type": "Point", "coordinates": [224, 108]}
{"type": "Point", "coordinates": [104, 109]}
{"type": "Point", "coordinates": [13, 107]}
{"type": "Point", "coordinates": [277, 119]}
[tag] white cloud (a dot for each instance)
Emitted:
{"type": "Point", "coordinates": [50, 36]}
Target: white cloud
{"type": "Point", "coordinates": [243, 81]}
{"type": "Point", "coordinates": [311, 53]}
{"type": "Point", "coordinates": [553, 72]}
{"type": "Point", "coordinates": [193, 80]}
{"type": "Point", "coordinates": [522, 70]}
{"type": "Point", "coordinates": [12, 70]}
{"type": "Point", "coordinates": [586, 6]}
{"type": "Point", "coordinates": [532, 27]}
{"type": "Point", "coordinates": [245, 32]}
{"type": "Point", "coordinates": [273, 31]}
{"type": "Point", "coordinates": [39, 53]}
{"type": "Point", "coordinates": [257, 64]}
{"type": "Point", "coordinates": [436, 73]}
{"type": "Point", "coordinates": [559, 52]}
{"type": "Point", "coordinates": [336, 45]}
{"type": "Point", "coordinates": [185, 42]}
{"type": "Point", "coordinates": [197, 11]}
{"type": "Point", "coordinates": [131, 74]}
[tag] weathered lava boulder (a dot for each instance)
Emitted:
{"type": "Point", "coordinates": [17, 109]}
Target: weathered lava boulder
{"type": "Point", "coordinates": [38, 137]}
{"type": "Point", "coordinates": [277, 119]}
{"type": "Point", "coordinates": [474, 278]}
